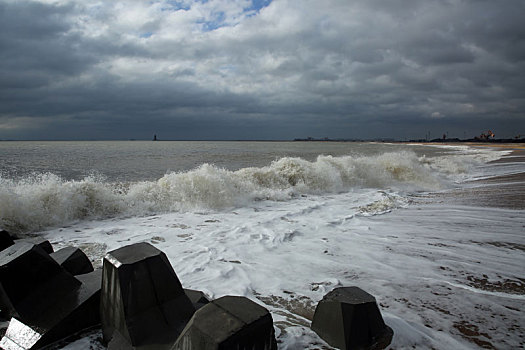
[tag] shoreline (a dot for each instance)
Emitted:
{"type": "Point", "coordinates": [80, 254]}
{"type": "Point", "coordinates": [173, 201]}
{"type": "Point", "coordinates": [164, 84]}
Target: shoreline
{"type": "Point", "coordinates": [502, 191]}
{"type": "Point", "coordinates": [506, 145]}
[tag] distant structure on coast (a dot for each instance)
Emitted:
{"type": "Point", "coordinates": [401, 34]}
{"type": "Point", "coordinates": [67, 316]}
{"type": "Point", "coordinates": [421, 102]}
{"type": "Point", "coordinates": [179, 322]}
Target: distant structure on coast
{"type": "Point", "coordinates": [485, 136]}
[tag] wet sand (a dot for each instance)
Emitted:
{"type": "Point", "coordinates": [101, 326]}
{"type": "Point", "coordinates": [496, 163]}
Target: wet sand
{"type": "Point", "coordinates": [496, 192]}
{"type": "Point", "coordinates": [493, 195]}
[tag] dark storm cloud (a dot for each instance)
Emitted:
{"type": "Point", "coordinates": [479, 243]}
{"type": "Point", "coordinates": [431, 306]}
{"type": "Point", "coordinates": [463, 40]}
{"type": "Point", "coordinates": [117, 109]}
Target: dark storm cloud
{"type": "Point", "coordinates": [232, 70]}
{"type": "Point", "coordinates": [34, 41]}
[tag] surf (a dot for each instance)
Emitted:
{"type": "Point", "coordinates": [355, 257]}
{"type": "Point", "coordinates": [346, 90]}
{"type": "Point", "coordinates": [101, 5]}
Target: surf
{"type": "Point", "coordinates": [41, 200]}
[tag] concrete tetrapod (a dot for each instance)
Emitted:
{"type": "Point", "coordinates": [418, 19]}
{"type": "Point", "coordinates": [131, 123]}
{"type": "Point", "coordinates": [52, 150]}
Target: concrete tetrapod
{"type": "Point", "coordinates": [229, 323]}
{"type": "Point", "coordinates": [348, 318]}
{"type": "Point", "coordinates": [79, 311]}
{"type": "Point", "coordinates": [198, 299]}
{"type": "Point", "coordinates": [5, 240]}
{"type": "Point", "coordinates": [31, 282]}
{"type": "Point", "coordinates": [46, 302]}
{"type": "Point", "coordinates": [39, 241]}
{"type": "Point", "coordinates": [44, 244]}
{"type": "Point", "coordinates": [143, 305]}
{"type": "Point", "coordinates": [73, 260]}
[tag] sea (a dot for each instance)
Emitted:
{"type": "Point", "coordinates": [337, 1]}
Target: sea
{"type": "Point", "coordinates": [284, 223]}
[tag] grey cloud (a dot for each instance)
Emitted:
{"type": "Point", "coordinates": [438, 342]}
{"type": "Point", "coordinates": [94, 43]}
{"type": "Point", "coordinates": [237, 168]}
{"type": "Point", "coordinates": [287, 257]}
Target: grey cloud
{"type": "Point", "coordinates": [31, 20]}
{"type": "Point", "coordinates": [344, 69]}
{"type": "Point", "coordinates": [35, 47]}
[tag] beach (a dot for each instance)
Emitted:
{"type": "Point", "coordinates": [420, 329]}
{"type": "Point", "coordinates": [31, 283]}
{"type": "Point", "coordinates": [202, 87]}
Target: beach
{"type": "Point", "coordinates": [500, 191]}
{"type": "Point", "coordinates": [488, 209]}
{"type": "Point", "coordinates": [434, 233]}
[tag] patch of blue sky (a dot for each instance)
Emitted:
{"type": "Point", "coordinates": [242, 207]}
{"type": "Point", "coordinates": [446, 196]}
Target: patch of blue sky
{"type": "Point", "coordinates": [257, 5]}
{"type": "Point", "coordinates": [217, 22]}
{"type": "Point", "coordinates": [146, 35]}
{"type": "Point", "coordinates": [228, 68]}
{"type": "Point", "coordinates": [220, 17]}
{"type": "Point", "coordinates": [174, 5]}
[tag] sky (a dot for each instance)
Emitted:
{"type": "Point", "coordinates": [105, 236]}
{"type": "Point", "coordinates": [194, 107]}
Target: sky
{"type": "Point", "coordinates": [261, 69]}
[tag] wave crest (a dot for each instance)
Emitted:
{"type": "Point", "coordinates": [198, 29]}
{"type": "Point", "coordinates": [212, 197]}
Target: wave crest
{"type": "Point", "coordinates": [44, 200]}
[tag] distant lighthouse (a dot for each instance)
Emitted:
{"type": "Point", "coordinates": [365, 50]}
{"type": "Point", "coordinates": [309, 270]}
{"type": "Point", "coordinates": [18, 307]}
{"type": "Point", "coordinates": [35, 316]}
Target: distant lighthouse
{"type": "Point", "coordinates": [155, 137]}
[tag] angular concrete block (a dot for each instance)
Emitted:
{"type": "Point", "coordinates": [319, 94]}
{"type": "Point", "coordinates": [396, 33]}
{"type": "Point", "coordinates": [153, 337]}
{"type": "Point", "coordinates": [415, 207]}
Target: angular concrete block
{"type": "Point", "coordinates": [5, 240]}
{"type": "Point", "coordinates": [198, 299]}
{"type": "Point", "coordinates": [19, 336]}
{"type": "Point", "coordinates": [85, 304]}
{"type": "Point", "coordinates": [229, 323]}
{"type": "Point", "coordinates": [142, 299]}
{"type": "Point", "coordinates": [77, 311]}
{"type": "Point", "coordinates": [42, 243]}
{"type": "Point", "coordinates": [348, 318]}
{"type": "Point", "coordinates": [31, 282]}
{"type": "Point", "coordinates": [45, 244]}
{"type": "Point", "coordinates": [73, 260]}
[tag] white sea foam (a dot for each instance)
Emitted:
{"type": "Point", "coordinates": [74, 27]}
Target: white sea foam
{"type": "Point", "coordinates": [426, 265]}
{"type": "Point", "coordinates": [44, 200]}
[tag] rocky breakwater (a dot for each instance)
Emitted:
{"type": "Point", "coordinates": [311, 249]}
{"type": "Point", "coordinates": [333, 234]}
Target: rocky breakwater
{"type": "Point", "coordinates": [42, 301]}
{"type": "Point", "coordinates": [49, 298]}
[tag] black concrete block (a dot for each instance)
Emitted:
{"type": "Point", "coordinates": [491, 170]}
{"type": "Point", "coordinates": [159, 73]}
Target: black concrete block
{"type": "Point", "coordinates": [349, 318]}
{"type": "Point", "coordinates": [198, 299]}
{"type": "Point", "coordinates": [5, 240]}
{"type": "Point", "coordinates": [229, 323]}
{"type": "Point", "coordinates": [46, 245]}
{"type": "Point", "coordinates": [3, 326]}
{"type": "Point", "coordinates": [77, 311]}
{"type": "Point", "coordinates": [73, 260]}
{"type": "Point", "coordinates": [142, 300]}
{"type": "Point", "coordinates": [19, 336]}
{"type": "Point", "coordinates": [85, 311]}
{"type": "Point", "coordinates": [31, 282]}
{"type": "Point", "coordinates": [42, 243]}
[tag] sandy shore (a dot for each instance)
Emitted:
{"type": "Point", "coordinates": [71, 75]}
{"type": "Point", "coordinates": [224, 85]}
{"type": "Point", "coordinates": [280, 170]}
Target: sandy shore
{"type": "Point", "coordinates": [510, 146]}
{"type": "Point", "coordinates": [496, 192]}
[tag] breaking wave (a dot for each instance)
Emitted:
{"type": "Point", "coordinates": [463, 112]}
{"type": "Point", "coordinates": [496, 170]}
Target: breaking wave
{"type": "Point", "coordinates": [44, 200]}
